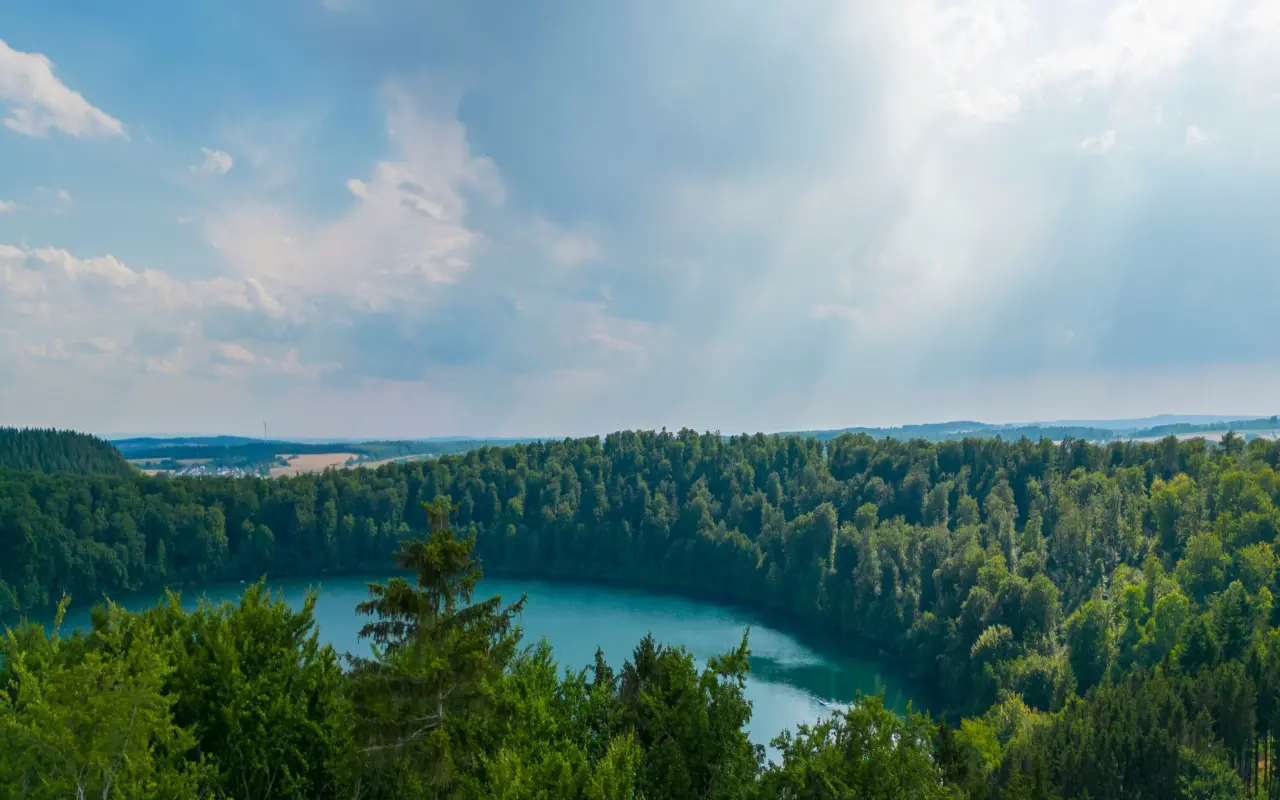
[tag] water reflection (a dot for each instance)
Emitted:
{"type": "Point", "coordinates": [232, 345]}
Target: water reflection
{"type": "Point", "coordinates": [838, 683]}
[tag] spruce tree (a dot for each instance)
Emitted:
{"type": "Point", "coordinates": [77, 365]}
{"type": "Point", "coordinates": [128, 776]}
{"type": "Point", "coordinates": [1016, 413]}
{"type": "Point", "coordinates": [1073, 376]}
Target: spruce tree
{"type": "Point", "coordinates": [436, 656]}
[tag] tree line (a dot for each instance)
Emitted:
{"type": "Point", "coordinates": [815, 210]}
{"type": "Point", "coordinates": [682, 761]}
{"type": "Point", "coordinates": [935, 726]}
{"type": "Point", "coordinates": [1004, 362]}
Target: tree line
{"type": "Point", "coordinates": [1098, 620]}
{"type": "Point", "coordinates": [51, 450]}
{"type": "Point", "coordinates": [240, 700]}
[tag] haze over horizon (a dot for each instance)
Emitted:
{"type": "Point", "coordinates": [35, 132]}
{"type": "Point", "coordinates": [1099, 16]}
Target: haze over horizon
{"type": "Point", "coordinates": [403, 219]}
{"type": "Point", "coordinates": [1114, 424]}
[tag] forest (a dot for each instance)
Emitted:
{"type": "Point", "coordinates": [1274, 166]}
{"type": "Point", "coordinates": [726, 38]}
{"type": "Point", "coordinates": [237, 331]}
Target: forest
{"type": "Point", "coordinates": [1266, 427]}
{"type": "Point", "coordinates": [1096, 620]}
{"type": "Point", "coordinates": [58, 451]}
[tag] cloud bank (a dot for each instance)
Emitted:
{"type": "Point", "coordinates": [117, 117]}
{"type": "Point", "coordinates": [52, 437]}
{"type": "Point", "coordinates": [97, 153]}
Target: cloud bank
{"type": "Point", "coordinates": [38, 103]}
{"type": "Point", "coordinates": [719, 217]}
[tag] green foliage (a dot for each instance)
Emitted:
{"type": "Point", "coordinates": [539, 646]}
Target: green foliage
{"type": "Point", "coordinates": [559, 736]}
{"type": "Point", "coordinates": [267, 703]}
{"type": "Point", "coordinates": [865, 751]}
{"type": "Point", "coordinates": [59, 451]}
{"type": "Point", "coordinates": [689, 723]}
{"type": "Point", "coordinates": [1092, 610]}
{"type": "Point", "coordinates": [437, 660]}
{"type": "Point", "coordinates": [90, 716]}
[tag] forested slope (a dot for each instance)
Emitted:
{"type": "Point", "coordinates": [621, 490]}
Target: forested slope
{"type": "Point", "coordinates": [1015, 577]}
{"type": "Point", "coordinates": [50, 450]}
{"type": "Point", "coordinates": [241, 700]}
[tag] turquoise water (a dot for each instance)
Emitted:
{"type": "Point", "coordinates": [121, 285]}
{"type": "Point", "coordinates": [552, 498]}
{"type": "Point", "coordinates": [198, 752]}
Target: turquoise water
{"type": "Point", "coordinates": [789, 683]}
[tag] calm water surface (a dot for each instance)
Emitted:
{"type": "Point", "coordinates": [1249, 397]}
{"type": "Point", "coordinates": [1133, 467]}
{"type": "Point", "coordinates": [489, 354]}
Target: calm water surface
{"type": "Point", "coordinates": [789, 682]}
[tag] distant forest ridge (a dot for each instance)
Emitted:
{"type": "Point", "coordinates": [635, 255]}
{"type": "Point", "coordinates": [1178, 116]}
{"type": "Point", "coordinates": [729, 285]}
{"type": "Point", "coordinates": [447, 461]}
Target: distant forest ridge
{"type": "Point", "coordinates": [220, 447]}
{"type": "Point", "coordinates": [65, 451]}
{"type": "Point", "coordinates": [1097, 432]}
{"type": "Point", "coordinates": [1088, 430]}
{"type": "Point", "coordinates": [48, 450]}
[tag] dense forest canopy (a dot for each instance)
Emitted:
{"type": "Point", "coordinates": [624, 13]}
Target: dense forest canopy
{"type": "Point", "coordinates": [242, 701]}
{"type": "Point", "coordinates": [1097, 619]}
{"type": "Point", "coordinates": [50, 450]}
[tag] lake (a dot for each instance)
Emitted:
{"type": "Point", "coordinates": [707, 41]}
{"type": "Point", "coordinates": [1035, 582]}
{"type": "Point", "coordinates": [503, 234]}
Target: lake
{"type": "Point", "coordinates": [789, 682]}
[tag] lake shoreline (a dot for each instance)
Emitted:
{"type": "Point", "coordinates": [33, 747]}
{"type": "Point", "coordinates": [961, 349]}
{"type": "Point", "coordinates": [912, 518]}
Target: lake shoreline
{"type": "Point", "coordinates": [812, 634]}
{"type": "Point", "coordinates": [819, 637]}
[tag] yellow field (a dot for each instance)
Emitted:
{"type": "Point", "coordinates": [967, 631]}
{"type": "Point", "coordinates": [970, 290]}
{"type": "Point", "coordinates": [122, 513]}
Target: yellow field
{"type": "Point", "coordinates": [186, 462]}
{"type": "Point", "coordinates": [314, 462]}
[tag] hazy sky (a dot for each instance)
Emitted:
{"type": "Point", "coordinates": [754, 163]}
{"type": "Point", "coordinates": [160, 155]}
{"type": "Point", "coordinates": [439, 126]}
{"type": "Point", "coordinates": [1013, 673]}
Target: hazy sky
{"type": "Point", "coordinates": [407, 217]}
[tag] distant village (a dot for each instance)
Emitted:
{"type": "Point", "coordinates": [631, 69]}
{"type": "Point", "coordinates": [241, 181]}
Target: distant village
{"type": "Point", "coordinates": [205, 470]}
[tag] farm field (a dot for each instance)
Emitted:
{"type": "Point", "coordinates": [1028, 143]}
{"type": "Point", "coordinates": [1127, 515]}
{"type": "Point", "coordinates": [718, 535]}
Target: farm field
{"type": "Point", "coordinates": [311, 462]}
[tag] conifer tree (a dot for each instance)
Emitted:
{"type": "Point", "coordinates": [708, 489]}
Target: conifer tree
{"type": "Point", "coordinates": [436, 656]}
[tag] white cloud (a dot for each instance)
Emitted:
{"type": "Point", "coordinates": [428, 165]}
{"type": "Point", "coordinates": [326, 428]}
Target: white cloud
{"type": "Point", "coordinates": [58, 201]}
{"type": "Point", "coordinates": [54, 349]}
{"type": "Point", "coordinates": [161, 366]}
{"type": "Point", "coordinates": [65, 306]}
{"type": "Point", "coordinates": [231, 353]}
{"type": "Point", "coordinates": [1102, 143]}
{"type": "Point", "coordinates": [996, 59]}
{"type": "Point", "coordinates": [618, 345]}
{"type": "Point", "coordinates": [39, 103]}
{"type": "Point", "coordinates": [572, 249]}
{"type": "Point", "coordinates": [215, 162]}
{"type": "Point", "coordinates": [897, 218]}
{"type": "Point", "coordinates": [273, 146]}
{"type": "Point", "coordinates": [409, 233]}
{"type": "Point", "coordinates": [184, 220]}
{"type": "Point", "coordinates": [902, 235]}
{"type": "Point", "coordinates": [101, 344]}
{"type": "Point", "coordinates": [9, 206]}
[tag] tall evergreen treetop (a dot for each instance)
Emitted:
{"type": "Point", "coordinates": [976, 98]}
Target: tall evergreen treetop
{"type": "Point", "coordinates": [436, 657]}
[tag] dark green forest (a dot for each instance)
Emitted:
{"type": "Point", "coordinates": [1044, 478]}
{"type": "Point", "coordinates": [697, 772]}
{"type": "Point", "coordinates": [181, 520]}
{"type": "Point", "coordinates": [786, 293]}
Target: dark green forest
{"type": "Point", "coordinates": [58, 451]}
{"type": "Point", "coordinates": [1096, 621]}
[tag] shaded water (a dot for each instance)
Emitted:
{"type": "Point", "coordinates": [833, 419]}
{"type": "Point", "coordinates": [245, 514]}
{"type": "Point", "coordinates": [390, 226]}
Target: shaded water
{"type": "Point", "coordinates": [789, 682]}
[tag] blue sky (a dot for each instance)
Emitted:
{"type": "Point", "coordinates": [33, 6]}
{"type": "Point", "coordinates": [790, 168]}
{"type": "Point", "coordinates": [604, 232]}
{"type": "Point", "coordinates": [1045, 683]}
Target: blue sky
{"type": "Point", "coordinates": [414, 218]}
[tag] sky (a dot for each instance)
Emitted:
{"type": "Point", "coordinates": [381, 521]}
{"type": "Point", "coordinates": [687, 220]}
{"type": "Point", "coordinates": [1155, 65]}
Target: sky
{"type": "Point", "coordinates": [402, 218]}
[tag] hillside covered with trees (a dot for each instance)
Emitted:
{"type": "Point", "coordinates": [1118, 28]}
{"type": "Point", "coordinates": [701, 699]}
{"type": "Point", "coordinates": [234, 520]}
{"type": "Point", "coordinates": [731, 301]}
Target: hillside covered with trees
{"type": "Point", "coordinates": [1097, 619]}
{"type": "Point", "coordinates": [242, 701]}
{"type": "Point", "coordinates": [50, 450]}
{"type": "Point", "coordinates": [1100, 431]}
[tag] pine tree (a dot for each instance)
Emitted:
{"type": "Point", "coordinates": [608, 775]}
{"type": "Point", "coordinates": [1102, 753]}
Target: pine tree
{"type": "Point", "coordinates": [436, 657]}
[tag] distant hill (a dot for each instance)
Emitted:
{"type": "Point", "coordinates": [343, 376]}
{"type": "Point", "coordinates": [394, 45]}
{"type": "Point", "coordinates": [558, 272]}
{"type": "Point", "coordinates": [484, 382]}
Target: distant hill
{"type": "Point", "coordinates": [1090, 430]}
{"type": "Point", "coordinates": [240, 456]}
{"type": "Point", "coordinates": [137, 443]}
{"type": "Point", "coordinates": [933, 431]}
{"type": "Point", "coordinates": [260, 455]}
{"type": "Point", "coordinates": [49, 450]}
{"type": "Point", "coordinates": [1135, 423]}
{"type": "Point", "coordinates": [224, 447]}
